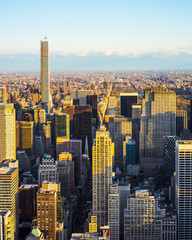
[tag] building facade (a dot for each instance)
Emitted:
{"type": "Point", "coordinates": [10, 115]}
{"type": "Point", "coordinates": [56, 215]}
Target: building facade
{"type": "Point", "coordinates": [126, 101]}
{"type": "Point", "coordinates": [9, 191]}
{"type": "Point", "coordinates": [113, 212]}
{"type": "Point", "coordinates": [45, 75]}
{"type": "Point", "coordinates": [142, 217]}
{"type": "Point", "coordinates": [101, 174]}
{"type": "Point", "coordinates": [8, 131]}
{"type": "Point", "coordinates": [183, 195]}
{"type": "Point", "coordinates": [119, 127]}
{"type": "Point", "coordinates": [158, 119]}
{"type": "Point", "coordinates": [47, 171]}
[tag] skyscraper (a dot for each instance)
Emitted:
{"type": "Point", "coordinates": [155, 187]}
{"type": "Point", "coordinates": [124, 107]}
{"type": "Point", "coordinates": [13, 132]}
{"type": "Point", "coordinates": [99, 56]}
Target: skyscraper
{"type": "Point", "coordinates": [26, 136]}
{"type": "Point", "coordinates": [181, 121]}
{"type": "Point", "coordinates": [112, 104]}
{"type": "Point", "coordinates": [47, 170]}
{"type": "Point", "coordinates": [82, 126]}
{"type": "Point", "coordinates": [158, 120]}
{"type": "Point", "coordinates": [124, 192]}
{"type": "Point", "coordinates": [113, 212]}
{"type": "Point", "coordinates": [184, 188]}
{"type": "Point", "coordinates": [8, 132]}
{"type": "Point", "coordinates": [126, 101]}
{"type": "Point", "coordinates": [45, 75]}
{"type": "Point", "coordinates": [169, 154]}
{"type": "Point", "coordinates": [9, 191]}
{"type": "Point", "coordinates": [102, 174]}
{"type": "Point", "coordinates": [47, 212]}
{"type": "Point", "coordinates": [142, 217]}
{"type": "Point", "coordinates": [118, 127]}
{"type": "Point", "coordinates": [136, 118]}
{"type": "Point", "coordinates": [62, 126]}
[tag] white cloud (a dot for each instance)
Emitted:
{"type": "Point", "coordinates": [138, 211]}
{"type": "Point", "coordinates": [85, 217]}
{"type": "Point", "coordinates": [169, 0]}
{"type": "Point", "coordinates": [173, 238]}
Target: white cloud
{"type": "Point", "coordinates": [161, 52]}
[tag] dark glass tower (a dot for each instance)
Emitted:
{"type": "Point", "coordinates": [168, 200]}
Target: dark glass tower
{"type": "Point", "coordinates": [126, 101]}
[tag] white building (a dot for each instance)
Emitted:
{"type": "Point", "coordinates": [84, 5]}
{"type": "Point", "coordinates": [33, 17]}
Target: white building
{"type": "Point", "coordinates": [113, 212]}
{"type": "Point", "coordinates": [183, 196]}
{"type": "Point", "coordinates": [47, 171]}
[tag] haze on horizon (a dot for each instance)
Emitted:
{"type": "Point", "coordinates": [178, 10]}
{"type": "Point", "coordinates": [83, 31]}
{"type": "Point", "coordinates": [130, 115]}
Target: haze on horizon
{"type": "Point", "coordinates": [101, 35]}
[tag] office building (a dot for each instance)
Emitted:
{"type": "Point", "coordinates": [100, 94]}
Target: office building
{"type": "Point", "coordinates": [82, 95]}
{"type": "Point", "coordinates": [65, 169]}
{"type": "Point", "coordinates": [49, 186]}
{"type": "Point", "coordinates": [74, 147]}
{"type": "Point", "coordinates": [126, 101]}
{"type": "Point", "coordinates": [27, 202]}
{"type": "Point", "coordinates": [183, 195]}
{"type": "Point", "coordinates": [4, 95]}
{"type": "Point", "coordinates": [45, 75]}
{"type": "Point", "coordinates": [101, 174]}
{"type": "Point", "coordinates": [142, 217]}
{"type": "Point", "coordinates": [136, 118]}
{"type": "Point", "coordinates": [157, 122]}
{"type": "Point", "coordinates": [113, 212]}
{"type": "Point", "coordinates": [24, 161]}
{"type": "Point", "coordinates": [82, 126]}
{"type": "Point", "coordinates": [169, 154]}
{"type": "Point", "coordinates": [62, 126]}
{"type": "Point", "coordinates": [181, 121]}
{"type": "Point", "coordinates": [169, 227]}
{"type": "Point", "coordinates": [47, 170]}
{"type": "Point", "coordinates": [92, 101]}
{"type": "Point", "coordinates": [46, 136]}
{"type": "Point", "coordinates": [124, 192]}
{"type": "Point", "coordinates": [119, 127]}
{"type": "Point", "coordinates": [8, 131]}
{"type": "Point", "coordinates": [47, 212]}
{"type": "Point", "coordinates": [6, 225]}
{"type": "Point", "coordinates": [112, 104]}
{"type": "Point", "coordinates": [9, 191]}
{"type": "Point", "coordinates": [38, 145]}
{"type": "Point", "coordinates": [42, 116]}
{"type": "Point", "coordinates": [26, 137]}
{"type": "Point", "coordinates": [130, 152]}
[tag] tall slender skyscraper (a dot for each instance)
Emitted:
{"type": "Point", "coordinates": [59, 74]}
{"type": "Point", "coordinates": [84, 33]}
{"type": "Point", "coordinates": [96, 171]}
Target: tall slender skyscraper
{"type": "Point", "coordinates": [8, 131]}
{"type": "Point", "coordinates": [184, 188]}
{"type": "Point", "coordinates": [102, 174]}
{"type": "Point", "coordinates": [45, 75]}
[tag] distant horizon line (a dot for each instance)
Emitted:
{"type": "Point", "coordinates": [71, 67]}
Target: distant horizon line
{"type": "Point", "coordinates": [103, 71]}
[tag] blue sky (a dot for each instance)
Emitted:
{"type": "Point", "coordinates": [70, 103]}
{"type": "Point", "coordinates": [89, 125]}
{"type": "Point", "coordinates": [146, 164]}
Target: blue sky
{"type": "Point", "coordinates": [96, 35]}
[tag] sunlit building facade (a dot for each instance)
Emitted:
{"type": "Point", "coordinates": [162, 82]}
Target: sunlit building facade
{"type": "Point", "coordinates": [102, 174]}
{"type": "Point", "coordinates": [45, 75]}
{"type": "Point", "coordinates": [8, 131]}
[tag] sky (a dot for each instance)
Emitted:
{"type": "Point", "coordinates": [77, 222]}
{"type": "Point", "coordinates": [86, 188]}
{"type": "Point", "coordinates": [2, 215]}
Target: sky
{"type": "Point", "coordinates": [96, 34]}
